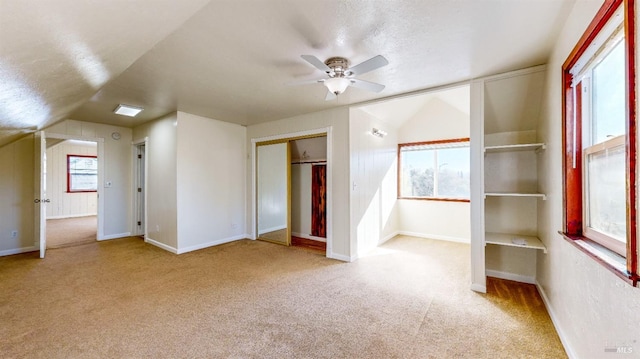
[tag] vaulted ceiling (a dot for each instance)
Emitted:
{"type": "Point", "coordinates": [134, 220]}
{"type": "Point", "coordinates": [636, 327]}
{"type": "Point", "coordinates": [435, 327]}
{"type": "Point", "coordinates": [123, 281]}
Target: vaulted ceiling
{"type": "Point", "coordinates": [231, 60]}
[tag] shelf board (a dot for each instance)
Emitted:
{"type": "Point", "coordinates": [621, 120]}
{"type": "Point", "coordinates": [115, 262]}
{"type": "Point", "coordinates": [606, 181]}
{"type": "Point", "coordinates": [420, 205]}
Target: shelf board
{"type": "Point", "coordinates": [508, 240]}
{"type": "Point", "coordinates": [514, 194]}
{"type": "Point", "coordinates": [518, 147]}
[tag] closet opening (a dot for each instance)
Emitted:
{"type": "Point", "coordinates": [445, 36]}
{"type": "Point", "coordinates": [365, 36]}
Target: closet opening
{"type": "Point", "coordinates": [291, 192]}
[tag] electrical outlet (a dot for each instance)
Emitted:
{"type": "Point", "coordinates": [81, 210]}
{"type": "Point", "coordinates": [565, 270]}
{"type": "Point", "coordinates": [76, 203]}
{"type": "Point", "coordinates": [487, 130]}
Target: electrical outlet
{"type": "Point", "coordinates": [14, 234]}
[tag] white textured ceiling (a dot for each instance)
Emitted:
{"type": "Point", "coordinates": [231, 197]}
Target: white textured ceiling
{"type": "Point", "coordinates": [230, 59]}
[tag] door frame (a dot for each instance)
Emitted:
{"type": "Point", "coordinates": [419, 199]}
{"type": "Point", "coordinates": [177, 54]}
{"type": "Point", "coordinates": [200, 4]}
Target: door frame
{"type": "Point", "coordinates": [135, 201]}
{"type": "Point", "coordinates": [325, 131]}
{"type": "Point", "coordinates": [100, 192]}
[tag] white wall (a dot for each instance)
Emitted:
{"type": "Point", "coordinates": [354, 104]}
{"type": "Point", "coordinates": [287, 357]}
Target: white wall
{"type": "Point", "coordinates": [338, 120]}
{"type": "Point", "coordinates": [211, 165]}
{"type": "Point", "coordinates": [16, 196]}
{"type": "Point", "coordinates": [591, 307]}
{"type": "Point", "coordinates": [161, 149]}
{"type": "Point", "coordinates": [63, 204]}
{"type": "Point", "coordinates": [272, 187]}
{"type": "Point", "coordinates": [374, 177]}
{"type": "Point", "coordinates": [437, 120]}
{"type": "Point", "coordinates": [117, 170]}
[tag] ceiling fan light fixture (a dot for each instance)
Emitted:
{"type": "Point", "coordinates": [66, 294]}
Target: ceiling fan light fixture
{"type": "Point", "coordinates": [127, 110]}
{"type": "Point", "coordinates": [337, 85]}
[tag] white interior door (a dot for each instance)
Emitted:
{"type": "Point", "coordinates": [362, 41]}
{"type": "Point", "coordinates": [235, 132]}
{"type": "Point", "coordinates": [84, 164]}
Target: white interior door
{"type": "Point", "coordinates": [40, 191]}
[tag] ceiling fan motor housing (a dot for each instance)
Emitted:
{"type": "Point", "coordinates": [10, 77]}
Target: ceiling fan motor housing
{"type": "Point", "coordinates": [338, 66]}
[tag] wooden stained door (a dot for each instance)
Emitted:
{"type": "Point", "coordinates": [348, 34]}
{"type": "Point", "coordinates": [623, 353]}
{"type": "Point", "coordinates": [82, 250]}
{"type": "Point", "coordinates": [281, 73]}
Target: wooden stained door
{"type": "Point", "coordinates": [319, 200]}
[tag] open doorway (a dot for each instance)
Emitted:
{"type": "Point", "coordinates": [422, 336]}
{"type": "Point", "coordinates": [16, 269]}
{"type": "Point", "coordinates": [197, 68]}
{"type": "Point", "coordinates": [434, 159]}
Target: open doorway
{"type": "Point", "coordinates": [72, 192]}
{"type": "Point", "coordinates": [308, 193]}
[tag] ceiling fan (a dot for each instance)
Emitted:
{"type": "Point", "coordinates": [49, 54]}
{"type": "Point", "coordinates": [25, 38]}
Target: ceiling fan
{"type": "Point", "coordinates": [341, 75]}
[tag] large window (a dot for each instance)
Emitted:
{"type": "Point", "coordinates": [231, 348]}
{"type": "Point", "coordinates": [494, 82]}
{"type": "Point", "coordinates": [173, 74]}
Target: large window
{"type": "Point", "coordinates": [437, 170]}
{"type": "Point", "coordinates": [600, 141]}
{"type": "Point", "coordinates": [82, 173]}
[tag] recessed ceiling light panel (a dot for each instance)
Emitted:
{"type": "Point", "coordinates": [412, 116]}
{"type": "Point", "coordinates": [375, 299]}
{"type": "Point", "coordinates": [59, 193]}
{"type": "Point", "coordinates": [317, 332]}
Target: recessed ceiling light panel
{"type": "Point", "coordinates": [127, 110]}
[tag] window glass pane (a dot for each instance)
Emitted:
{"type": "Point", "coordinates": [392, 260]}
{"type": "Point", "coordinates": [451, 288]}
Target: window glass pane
{"type": "Point", "coordinates": [606, 199]}
{"type": "Point", "coordinates": [609, 96]}
{"type": "Point", "coordinates": [83, 173]}
{"type": "Point", "coordinates": [453, 173]}
{"type": "Point", "coordinates": [417, 173]}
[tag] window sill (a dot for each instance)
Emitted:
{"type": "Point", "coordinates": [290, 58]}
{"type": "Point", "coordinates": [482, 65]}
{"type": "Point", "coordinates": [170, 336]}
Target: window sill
{"type": "Point", "coordinates": [614, 262]}
{"type": "Point", "coordinates": [436, 199]}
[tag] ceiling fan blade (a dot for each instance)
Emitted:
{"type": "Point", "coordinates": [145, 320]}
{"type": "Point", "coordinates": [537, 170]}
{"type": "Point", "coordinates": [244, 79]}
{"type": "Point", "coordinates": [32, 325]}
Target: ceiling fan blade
{"type": "Point", "coordinates": [330, 96]}
{"type": "Point", "coordinates": [316, 63]}
{"type": "Point", "coordinates": [304, 82]}
{"type": "Point", "coordinates": [373, 63]}
{"type": "Point", "coordinates": [366, 85]}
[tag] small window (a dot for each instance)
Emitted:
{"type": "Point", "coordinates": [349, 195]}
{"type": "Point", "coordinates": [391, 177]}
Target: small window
{"type": "Point", "coordinates": [437, 170]}
{"type": "Point", "coordinates": [82, 173]}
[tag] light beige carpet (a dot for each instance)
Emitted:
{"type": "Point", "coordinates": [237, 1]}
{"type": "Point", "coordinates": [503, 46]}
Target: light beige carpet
{"type": "Point", "coordinates": [251, 299]}
{"type": "Point", "coordinates": [71, 231]}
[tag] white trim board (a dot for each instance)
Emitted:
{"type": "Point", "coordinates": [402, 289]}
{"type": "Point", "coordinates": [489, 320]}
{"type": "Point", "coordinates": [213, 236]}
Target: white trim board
{"type": "Point", "coordinates": [387, 238]}
{"type": "Point", "coordinates": [211, 244]}
{"type": "Point", "coordinates": [554, 319]}
{"type": "Point", "coordinates": [8, 252]}
{"type": "Point", "coordinates": [161, 245]}
{"type": "Point", "coordinates": [341, 257]}
{"type": "Point", "coordinates": [435, 236]}
{"type": "Point", "coordinates": [511, 276]}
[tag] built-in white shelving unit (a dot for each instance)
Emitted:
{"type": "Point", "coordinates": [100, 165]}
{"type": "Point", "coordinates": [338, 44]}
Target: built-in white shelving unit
{"type": "Point", "coordinates": [513, 239]}
{"type": "Point", "coordinates": [505, 198]}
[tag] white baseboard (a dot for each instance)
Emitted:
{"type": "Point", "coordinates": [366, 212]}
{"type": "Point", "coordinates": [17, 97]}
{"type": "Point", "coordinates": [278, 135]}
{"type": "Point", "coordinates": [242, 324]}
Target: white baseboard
{"type": "Point", "coordinates": [341, 257]}
{"type": "Point", "coordinates": [210, 244]}
{"type": "Point", "coordinates": [8, 252]}
{"type": "Point", "coordinates": [73, 216]}
{"type": "Point", "coordinates": [478, 288]}
{"type": "Point", "coordinates": [161, 245]}
{"type": "Point", "coordinates": [554, 319]}
{"type": "Point", "coordinates": [510, 276]}
{"type": "Point", "coordinates": [308, 236]}
{"type": "Point", "coordinates": [385, 239]}
{"type": "Point", "coordinates": [435, 236]}
{"type": "Point", "coordinates": [114, 236]}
